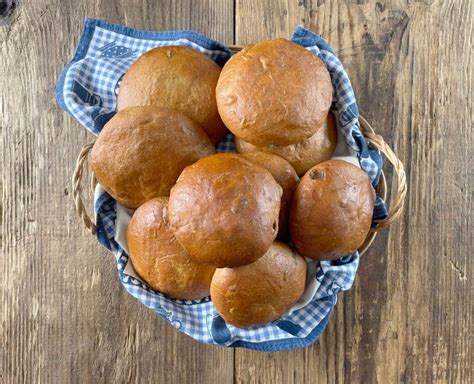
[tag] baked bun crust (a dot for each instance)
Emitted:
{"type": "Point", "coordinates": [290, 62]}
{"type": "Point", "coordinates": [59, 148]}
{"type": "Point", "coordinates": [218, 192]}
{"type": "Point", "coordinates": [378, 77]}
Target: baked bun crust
{"type": "Point", "coordinates": [305, 154]}
{"type": "Point", "coordinates": [141, 151]}
{"type": "Point", "coordinates": [261, 292]}
{"type": "Point", "coordinates": [224, 210]}
{"type": "Point", "coordinates": [274, 92]}
{"type": "Point", "coordinates": [285, 175]}
{"type": "Point", "coordinates": [332, 210]}
{"type": "Point", "coordinates": [178, 78]}
{"type": "Point", "coordinates": [159, 259]}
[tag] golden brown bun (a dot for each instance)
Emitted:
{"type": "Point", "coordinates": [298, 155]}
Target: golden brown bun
{"type": "Point", "coordinates": [274, 92]}
{"type": "Point", "coordinates": [305, 154]}
{"type": "Point", "coordinates": [261, 292]}
{"type": "Point", "coordinates": [178, 78]}
{"type": "Point", "coordinates": [285, 175]}
{"type": "Point", "coordinates": [141, 151]}
{"type": "Point", "coordinates": [332, 210]}
{"type": "Point", "coordinates": [224, 210]}
{"type": "Point", "coordinates": [159, 259]}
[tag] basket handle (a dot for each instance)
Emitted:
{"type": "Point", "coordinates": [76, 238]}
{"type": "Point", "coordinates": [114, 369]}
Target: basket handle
{"type": "Point", "coordinates": [376, 140]}
{"type": "Point", "coordinates": [379, 143]}
{"type": "Point", "coordinates": [77, 188]}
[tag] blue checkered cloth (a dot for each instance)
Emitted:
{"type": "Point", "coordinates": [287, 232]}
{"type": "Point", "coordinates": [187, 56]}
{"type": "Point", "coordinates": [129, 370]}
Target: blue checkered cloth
{"type": "Point", "coordinates": [87, 90]}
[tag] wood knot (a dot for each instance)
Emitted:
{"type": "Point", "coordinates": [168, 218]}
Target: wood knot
{"type": "Point", "coordinates": [7, 7]}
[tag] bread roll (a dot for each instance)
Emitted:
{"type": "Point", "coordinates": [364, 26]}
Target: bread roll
{"type": "Point", "coordinates": [141, 151]}
{"type": "Point", "coordinates": [274, 92]}
{"type": "Point", "coordinates": [178, 78]}
{"type": "Point", "coordinates": [159, 259]}
{"type": "Point", "coordinates": [305, 154]}
{"type": "Point", "coordinates": [332, 209]}
{"type": "Point", "coordinates": [261, 292]}
{"type": "Point", "coordinates": [285, 175]}
{"type": "Point", "coordinates": [224, 210]}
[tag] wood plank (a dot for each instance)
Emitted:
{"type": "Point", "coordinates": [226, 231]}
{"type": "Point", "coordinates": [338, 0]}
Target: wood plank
{"type": "Point", "coordinates": [407, 318]}
{"type": "Point", "coordinates": [65, 317]}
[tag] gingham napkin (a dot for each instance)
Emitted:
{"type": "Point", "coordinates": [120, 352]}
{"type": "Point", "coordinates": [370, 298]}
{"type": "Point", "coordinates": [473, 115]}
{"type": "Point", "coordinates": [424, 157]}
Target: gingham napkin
{"type": "Point", "coordinates": [87, 90]}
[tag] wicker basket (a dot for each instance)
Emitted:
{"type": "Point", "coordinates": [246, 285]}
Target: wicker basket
{"type": "Point", "coordinates": [200, 320]}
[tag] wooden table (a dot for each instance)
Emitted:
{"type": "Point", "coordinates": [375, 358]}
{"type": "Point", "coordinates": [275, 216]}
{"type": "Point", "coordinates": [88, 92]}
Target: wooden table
{"type": "Point", "coordinates": [65, 318]}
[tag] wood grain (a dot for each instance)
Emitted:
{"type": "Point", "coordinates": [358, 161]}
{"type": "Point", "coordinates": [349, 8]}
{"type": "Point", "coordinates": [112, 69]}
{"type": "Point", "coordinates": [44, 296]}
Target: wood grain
{"type": "Point", "coordinates": [408, 317]}
{"type": "Point", "coordinates": [65, 317]}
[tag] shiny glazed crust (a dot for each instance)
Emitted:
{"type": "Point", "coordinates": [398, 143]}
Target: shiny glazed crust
{"type": "Point", "coordinates": [305, 154]}
{"type": "Point", "coordinates": [285, 175]}
{"type": "Point", "coordinates": [178, 78]}
{"type": "Point", "coordinates": [332, 210]}
{"type": "Point", "coordinates": [261, 292]}
{"type": "Point", "coordinates": [274, 92]}
{"type": "Point", "coordinates": [224, 210]}
{"type": "Point", "coordinates": [159, 259]}
{"type": "Point", "coordinates": [141, 151]}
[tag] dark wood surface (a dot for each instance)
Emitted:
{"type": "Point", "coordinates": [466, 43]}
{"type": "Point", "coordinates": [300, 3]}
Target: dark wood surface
{"type": "Point", "coordinates": [64, 315]}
